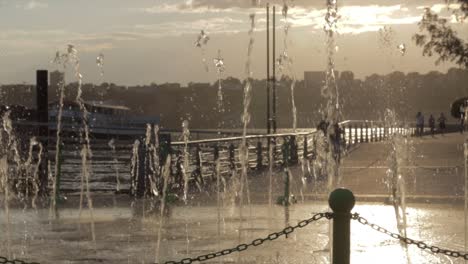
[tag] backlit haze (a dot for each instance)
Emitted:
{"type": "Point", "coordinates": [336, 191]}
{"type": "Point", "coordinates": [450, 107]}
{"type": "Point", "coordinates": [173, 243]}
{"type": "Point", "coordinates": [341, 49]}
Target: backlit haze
{"type": "Point", "coordinates": [148, 41]}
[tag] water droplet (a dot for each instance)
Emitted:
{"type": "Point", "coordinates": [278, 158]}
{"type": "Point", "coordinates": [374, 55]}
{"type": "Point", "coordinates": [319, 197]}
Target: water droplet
{"type": "Point", "coordinates": [402, 48]}
{"type": "Point", "coordinates": [219, 63]}
{"type": "Point", "coordinates": [202, 39]}
{"type": "Point", "coordinates": [71, 50]}
{"type": "Point", "coordinates": [285, 10]}
{"type": "Point", "coordinates": [100, 62]}
{"type": "Point", "coordinates": [386, 37]}
{"type": "Point", "coordinates": [282, 61]}
{"type": "Point", "coordinates": [185, 124]}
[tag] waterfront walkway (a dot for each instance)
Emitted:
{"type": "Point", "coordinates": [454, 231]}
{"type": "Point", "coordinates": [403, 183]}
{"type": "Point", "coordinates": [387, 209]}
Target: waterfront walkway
{"type": "Point", "coordinates": [433, 167]}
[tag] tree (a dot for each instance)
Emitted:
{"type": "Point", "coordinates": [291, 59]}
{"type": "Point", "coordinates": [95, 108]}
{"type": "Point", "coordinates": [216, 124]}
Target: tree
{"type": "Point", "coordinates": [438, 37]}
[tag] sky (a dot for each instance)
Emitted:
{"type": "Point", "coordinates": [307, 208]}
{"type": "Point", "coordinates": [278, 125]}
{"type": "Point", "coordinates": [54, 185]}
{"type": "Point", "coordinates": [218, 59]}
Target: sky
{"type": "Point", "coordinates": [145, 41]}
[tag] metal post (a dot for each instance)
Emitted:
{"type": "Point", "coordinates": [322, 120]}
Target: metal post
{"type": "Point", "coordinates": [367, 132]}
{"type": "Point", "coordinates": [362, 133]}
{"type": "Point", "coordinates": [259, 155]}
{"type": "Point", "coordinates": [274, 69]}
{"type": "Point", "coordinates": [286, 201]}
{"type": "Point", "coordinates": [198, 165]}
{"type": "Point", "coordinates": [232, 161]}
{"type": "Point", "coordinates": [141, 172]}
{"type": "Point", "coordinates": [293, 156]}
{"type": "Point", "coordinates": [350, 135]}
{"type": "Point", "coordinates": [341, 201]}
{"type": "Point", "coordinates": [215, 161]}
{"type": "Point", "coordinates": [355, 134]}
{"type": "Point", "coordinates": [42, 104]}
{"type": "Point", "coordinates": [268, 69]}
{"type": "Point", "coordinates": [305, 152]}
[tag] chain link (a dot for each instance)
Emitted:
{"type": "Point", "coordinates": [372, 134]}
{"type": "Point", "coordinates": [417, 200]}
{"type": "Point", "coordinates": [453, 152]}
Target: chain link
{"type": "Point", "coordinates": [4, 260]}
{"type": "Point", "coordinates": [420, 244]}
{"type": "Point", "coordinates": [255, 243]}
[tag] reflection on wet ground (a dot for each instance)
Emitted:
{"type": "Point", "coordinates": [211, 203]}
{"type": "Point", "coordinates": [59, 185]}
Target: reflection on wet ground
{"type": "Point", "coordinates": [128, 234]}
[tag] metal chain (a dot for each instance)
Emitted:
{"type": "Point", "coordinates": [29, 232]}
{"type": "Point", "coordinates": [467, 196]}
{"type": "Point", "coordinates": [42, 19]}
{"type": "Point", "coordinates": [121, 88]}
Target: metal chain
{"type": "Point", "coordinates": [256, 242]}
{"type": "Point", "coordinates": [420, 244]}
{"type": "Point", "coordinates": [4, 260]}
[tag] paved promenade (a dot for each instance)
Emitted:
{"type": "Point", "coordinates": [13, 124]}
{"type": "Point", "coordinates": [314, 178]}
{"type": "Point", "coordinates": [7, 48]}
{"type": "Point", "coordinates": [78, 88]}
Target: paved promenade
{"type": "Point", "coordinates": [433, 167]}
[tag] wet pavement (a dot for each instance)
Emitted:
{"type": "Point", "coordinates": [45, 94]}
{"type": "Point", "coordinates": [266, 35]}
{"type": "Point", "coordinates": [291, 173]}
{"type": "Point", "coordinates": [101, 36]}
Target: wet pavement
{"type": "Point", "coordinates": [128, 231]}
{"type": "Point", "coordinates": [130, 234]}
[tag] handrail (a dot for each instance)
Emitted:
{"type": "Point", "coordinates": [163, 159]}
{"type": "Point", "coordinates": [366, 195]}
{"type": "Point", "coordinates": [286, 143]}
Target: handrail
{"type": "Point", "coordinates": [263, 136]}
{"type": "Point", "coordinates": [228, 139]}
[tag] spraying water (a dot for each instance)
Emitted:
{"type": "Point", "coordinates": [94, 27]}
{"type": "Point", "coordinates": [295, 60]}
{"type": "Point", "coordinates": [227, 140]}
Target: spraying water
{"type": "Point", "coordinates": [402, 49]}
{"type": "Point", "coordinates": [6, 198]}
{"type": "Point", "coordinates": [156, 165]}
{"type": "Point", "coordinates": [331, 94]}
{"type": "Point", "coordinates": [400, 146]}
{"type": "Point", "coordinates": [115, 163]}
{"type": "Point", "coordinates": [32, 171]}
{"type": "Point", "coordinates": [270, 171]}
{"type": "Point", "coordinates": [220, 68]}
{"type": "Point", "coordinates": [4, 183]}
{"type": "Point", "coordinates": [165, 173]}
{"type": "Point", "coordinates": [185, 168]}
{"type": "Point", "coordinates": [399, 155]}
{"type": "Point", "coordinates": [201, 42]}
{"type": "Point", "coordinates": [186, 137]}
{"type": "Point", "coordinates": [465, 154]}
{"type": "Point", "coordinates": [244, 149]}
{"type": "Point", "coordinates": [285, 63]}
{"type": "Point", "coordinates": [60, 59]}
{"type": "Point", "coordinates": [134, 165]}
{"type": "Point", "coordinates": [86, 153]}
{"type": "Point", "coordinates": [100, 63]}
{"type": "Point", "coordinates": [386, 38]}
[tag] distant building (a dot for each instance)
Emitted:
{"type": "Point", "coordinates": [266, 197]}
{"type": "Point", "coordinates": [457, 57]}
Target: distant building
{"type": "Point", "coordinates": [193, 85]}
{"type": "Point", "coordinates": [314, 79]}
{"type": "Point", "coordinates": [56, 78]}
{"type": "Point", "coordinates": [169, 86]}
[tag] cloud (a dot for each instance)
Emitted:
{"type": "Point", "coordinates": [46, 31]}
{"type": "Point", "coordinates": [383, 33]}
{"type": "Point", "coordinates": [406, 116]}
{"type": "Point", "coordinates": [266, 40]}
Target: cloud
{"type": "Point", "coordinates": [187, 9]}
{"type": "Point", "coordinates": [439, 8]}
{"type": "Point", "coordinates": [176, 28]}
{"type": "Point", "coordinates": [355, 19]}
{"type": "Point", "coordinates": [32, 4]}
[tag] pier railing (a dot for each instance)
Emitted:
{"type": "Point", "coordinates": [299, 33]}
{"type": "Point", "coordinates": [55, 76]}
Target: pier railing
{"type": "Point", "coordinates": [117, 162]}
{"type": "Point", "coordinates": [219, 157]}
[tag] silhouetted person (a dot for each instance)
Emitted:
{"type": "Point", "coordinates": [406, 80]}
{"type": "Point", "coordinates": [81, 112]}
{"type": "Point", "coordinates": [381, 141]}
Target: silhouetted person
{"type": "Point", "coordinates": [441, 121]}
{"type": "Point", "coordinates": [462, 117]}
{"type": "Point", "coordinates": [419, 124]}
{"type": "Point", "coordinates": [323, 125]}
{"type": "Point", "coordinates": [336, 140]}
{"type": "Point", "coordinates": [432, 124]}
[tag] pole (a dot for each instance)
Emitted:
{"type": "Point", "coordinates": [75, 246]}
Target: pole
{"type": "Point", "coordinates": [341, 201]}
{"type": "Point", "coordinates": [268, 68]}
{"type": "Point", "coordinates": [42, 104]}
{"type": "Point", "coordinates": [274, 69]}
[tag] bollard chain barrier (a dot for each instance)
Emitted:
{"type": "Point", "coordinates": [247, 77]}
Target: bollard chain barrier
{"type": "Point", "coordinates": [4, 260]}
{"type": "Point", "coordinates": [257, 242]}
{"type": "Point", "coordinates": [420, 244]}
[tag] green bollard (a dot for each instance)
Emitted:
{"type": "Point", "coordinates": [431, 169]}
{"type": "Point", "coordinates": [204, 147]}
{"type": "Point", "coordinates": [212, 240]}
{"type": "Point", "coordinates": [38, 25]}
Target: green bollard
{"type": "Point", "coordinates": [341, 201]}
